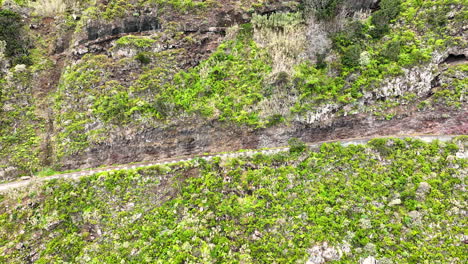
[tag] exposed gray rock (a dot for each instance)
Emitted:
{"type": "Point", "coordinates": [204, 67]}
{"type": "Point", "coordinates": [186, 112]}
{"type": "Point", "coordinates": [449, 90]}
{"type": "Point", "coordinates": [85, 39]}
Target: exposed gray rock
{"type": "Point", "coordinates": [3, 61]}
{"type": "Point", "coordinates": [8, 107]}
{"type": "Point", "coordinates": [423, 189]}
{"type": "Point", "coordinates": [20, 68]}
{"type": "Point", "coordinates": [13, 6]}
{"type": "Point", "coordinates": [324, 253]}
{"type": "Point", "coordinates": [462, 155]}
{"type": "Point", "coordinates": [315, 260]}
{"type": "Point", "coordinates": [414, 214]}
{"type": "Point", "coordinates": [346, 248]}
{"type": "Point", "coordinates": [331, 254]}
{"type": "Point", "coordinates": [368, 260]}
{"type": "Point", "coordinates": [98, 29]}
{"type": "Point", "coordinates": [394, 202]}
{"type": "Point", "coordinates": [52, 225]}
{"type": "Point", "coordinates": [370, 248]}
{"type": "Point", "coordinates": [365, 223]}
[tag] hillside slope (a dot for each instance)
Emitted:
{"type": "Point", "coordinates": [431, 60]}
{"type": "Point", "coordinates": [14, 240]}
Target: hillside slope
{"type": "Point", "coordinates": [94, 83]}
{"type": "Point", "coordinates": [90, 83]}
{"type": "Point", "coordinates": [391, 201]}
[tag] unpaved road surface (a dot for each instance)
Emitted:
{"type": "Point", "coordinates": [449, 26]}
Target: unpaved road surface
{"type": "Point", "coordinates": [76, 175]}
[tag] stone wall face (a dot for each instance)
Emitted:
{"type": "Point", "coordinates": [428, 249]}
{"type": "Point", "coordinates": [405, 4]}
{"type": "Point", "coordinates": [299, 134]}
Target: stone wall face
{"type": "Point", "coordinates": [97, 29]}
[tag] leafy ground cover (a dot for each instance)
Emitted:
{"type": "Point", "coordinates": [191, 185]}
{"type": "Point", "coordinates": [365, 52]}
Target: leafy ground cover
{"type": "Point", "coordinates": [401, 201]}
{"type": "Point", "coordinates": [19, 124]}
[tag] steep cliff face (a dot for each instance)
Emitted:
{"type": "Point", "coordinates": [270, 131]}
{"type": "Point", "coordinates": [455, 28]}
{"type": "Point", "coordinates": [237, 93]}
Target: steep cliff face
{"type": "Point", "coordinates": [103, 82]}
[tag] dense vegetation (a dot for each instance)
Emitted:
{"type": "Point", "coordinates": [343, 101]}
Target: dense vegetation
{"type": "Point", "coordinates": [265, 70]}
{"type": "Point", "coordinates": [401, 201]}
{"type": "Point", "coordinates": [19, 123]}
{"type": "Point", "coordinates": [235, 83]}
{"type": "Point", "coordinates": [11, 31]}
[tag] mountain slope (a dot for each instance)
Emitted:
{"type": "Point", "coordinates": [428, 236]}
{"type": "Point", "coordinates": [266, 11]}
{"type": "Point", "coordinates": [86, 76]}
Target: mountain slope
{"type": "Point", "coordinates": [91, 83]}
{"type": "Point", "coordinates": [393, 200]}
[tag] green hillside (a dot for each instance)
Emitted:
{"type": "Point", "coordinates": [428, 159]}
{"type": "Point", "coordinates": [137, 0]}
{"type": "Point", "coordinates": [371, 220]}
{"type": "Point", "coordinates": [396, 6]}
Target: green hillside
{"type": "Point", "coordinates": [80, 75]}
{"type": "Point", "coordinates": [399, 201]}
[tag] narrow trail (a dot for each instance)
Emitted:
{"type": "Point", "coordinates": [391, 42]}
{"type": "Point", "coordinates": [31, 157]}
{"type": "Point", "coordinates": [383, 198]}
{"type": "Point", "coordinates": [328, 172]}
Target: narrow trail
{"type": "Point", "coordinates": [245, 153]}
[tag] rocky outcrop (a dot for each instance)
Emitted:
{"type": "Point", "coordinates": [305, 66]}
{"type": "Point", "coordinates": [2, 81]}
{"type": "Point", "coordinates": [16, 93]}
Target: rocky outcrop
{"type": "Point", "coordinates": [192, 137]}
{"type": "Point", "coordinates": [99, 29]}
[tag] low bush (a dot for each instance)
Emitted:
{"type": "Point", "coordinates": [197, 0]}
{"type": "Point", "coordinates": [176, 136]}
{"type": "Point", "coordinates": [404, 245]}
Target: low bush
{"type": "Point", "coordinates": [113, 108]}
{"type": "Point", "coordinates": [135, 42]}
{"type": "Point", "coordinates": [11, 28]}
{"type": "Point", "coordinates": [351, 56]}
{"type": "Point", "coordinates": [296, 145]}
{"type": "Point", "coordinates": [392, 50]}
{"type": "Point", "coordinates": [277, 20]}
{"type": "Point", "coordinates": [389, 10]}
{"type": "Point", "coordinates": [323, 9]}
{"type": "Point", "coordinates": [143, 58]}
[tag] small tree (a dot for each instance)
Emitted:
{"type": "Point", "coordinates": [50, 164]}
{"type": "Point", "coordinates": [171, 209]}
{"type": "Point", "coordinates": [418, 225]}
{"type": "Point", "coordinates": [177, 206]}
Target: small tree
{"type": "Point", "coordinates": [10, 28]}
{"type": "Point", "coordinates": [11, 32]}
{"type": "Point", "coordinates": [389, 10]}
{"type": "Point", "coordinates": [143, 58]}
{"type": "Point", "coordinates": [323, 9]}
{"type": "Point", "coordinates": [296, 145]}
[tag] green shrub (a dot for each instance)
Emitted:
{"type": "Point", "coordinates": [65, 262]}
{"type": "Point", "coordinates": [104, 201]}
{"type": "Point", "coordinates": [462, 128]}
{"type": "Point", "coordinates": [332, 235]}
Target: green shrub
{"type": "Point", "coordinates": [231, 79]}
{"type": "Point", "coordinates": [135, 41]}
{"type": "Point", "coordinates": [323, 9]}
{"type": "Point", "coordinates": [275, 119]}
{"type": "Point", "coordinates": [437, 18]}
{"type": "Point", "coordinates": [389, 10]}
{"type": "Point", "coordinates": [296, 145]}
{"type": "Point", "coordinates": [278, 20]}
{"type": "Point", "coordinates": [11, 32]}
{"type": "Point", "coordinates": [116, 9]}
{"type": "Point", "coordinates": [321, 63]}
{"type": "Point", "coordinates": [113, 108]}
{"type": "Point", "coordinates": [22, 59]}
{"type": "Point", "coordinates": [381, 145]}
{"type": "Point", "coordinates": [142, 58]}
{"type": "Point", "coordinates": [47, 172]}
{"type": "Point", "coordinates": [392, 50]}
{"type": "Point", "coordinates": [350, 43]}
{"type": "Point", "coordinates": [351, 56]}
{"type": "Point", "coordinates": [353, 31]}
